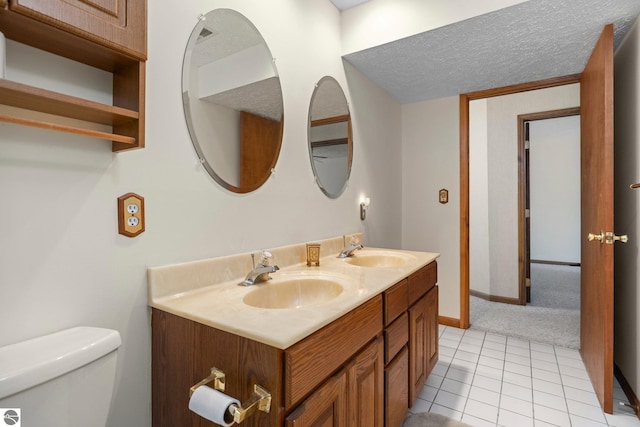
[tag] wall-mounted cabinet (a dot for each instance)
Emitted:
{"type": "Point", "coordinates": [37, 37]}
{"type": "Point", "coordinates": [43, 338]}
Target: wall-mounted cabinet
{"type": "Point", "coordinates": [106, 34]}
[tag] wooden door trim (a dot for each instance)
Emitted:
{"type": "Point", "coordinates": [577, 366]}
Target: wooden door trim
{"type": "Point", "coordinates": [464, 172]}
{"type": "Point", "coordinates": [522, 188]}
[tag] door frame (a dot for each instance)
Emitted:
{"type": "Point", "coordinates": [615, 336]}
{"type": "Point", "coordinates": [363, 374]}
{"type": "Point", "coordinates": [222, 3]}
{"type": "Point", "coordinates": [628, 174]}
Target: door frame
{"type": "Point", "coordinates": [524, 235]}
{"type": "Point", "coordinates": [464, 172]}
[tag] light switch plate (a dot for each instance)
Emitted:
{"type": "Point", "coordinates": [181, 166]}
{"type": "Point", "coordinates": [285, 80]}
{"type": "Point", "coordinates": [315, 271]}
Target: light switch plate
{"type": "Point", "coordinates": [130, 214]}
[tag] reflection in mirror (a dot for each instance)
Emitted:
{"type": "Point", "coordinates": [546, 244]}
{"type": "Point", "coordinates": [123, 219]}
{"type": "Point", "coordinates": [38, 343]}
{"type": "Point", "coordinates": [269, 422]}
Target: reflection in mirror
{"type": "Point", "coordinates": [330, 142]}
{"type": "Point", "coordinates": [232, 100]}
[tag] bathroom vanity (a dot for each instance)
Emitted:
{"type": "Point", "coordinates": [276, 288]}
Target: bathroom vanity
{"type": "Point", "coordinates": [357, 357]}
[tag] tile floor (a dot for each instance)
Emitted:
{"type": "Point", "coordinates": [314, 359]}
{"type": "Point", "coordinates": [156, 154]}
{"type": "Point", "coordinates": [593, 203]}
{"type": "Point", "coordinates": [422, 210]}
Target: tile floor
{"type": "Point", "coordinates": [485, 379]}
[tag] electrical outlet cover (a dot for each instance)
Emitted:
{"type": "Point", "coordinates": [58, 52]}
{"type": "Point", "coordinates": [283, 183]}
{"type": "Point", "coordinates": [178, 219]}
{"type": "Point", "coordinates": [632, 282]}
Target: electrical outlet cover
{"type": "Point", "coordinates": [130, 214]}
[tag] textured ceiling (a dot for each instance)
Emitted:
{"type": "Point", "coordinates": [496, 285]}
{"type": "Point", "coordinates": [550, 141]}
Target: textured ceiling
{"type": "Point", "coordinates": [535, 40]}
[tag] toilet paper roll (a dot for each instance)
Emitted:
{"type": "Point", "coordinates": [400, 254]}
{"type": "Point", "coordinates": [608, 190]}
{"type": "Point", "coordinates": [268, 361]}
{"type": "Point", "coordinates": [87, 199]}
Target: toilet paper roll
{"type": "Point", "coordinates": [2, 56]}
{"type": "Point", "coordinates": [212, 405]}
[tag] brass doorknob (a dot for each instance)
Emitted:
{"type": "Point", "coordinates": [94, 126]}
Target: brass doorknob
{"type": "Point", "coordinates": [622, 239]}
{"type": "Point", "coordinates": [599, 237]}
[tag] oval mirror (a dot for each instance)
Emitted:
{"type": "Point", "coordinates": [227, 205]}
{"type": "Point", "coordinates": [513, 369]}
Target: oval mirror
{"type": "Point", "coordinates": [329, 135]}
{"type": "Point", "coordinates": [232, 100]}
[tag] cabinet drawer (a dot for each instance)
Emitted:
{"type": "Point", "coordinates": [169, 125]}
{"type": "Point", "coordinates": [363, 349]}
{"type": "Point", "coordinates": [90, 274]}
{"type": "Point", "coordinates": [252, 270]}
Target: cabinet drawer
{"type": "Point", "coordinates": [395, 301]}
{"type": "Point", "coordinates": [396, 336]}
{"type": "Point", "coordinates": [421, 281]}
{"type": "Point", "coordinates": [310, 361]}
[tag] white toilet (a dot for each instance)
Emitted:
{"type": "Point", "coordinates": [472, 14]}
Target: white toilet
{"type": "Point", "coordinates": [64, 379]}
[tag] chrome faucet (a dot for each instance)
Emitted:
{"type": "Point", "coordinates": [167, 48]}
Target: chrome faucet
{"type": "Point", "coordinates": [260, 272]}
{"type": "Point", "coordinates": [350, 249]}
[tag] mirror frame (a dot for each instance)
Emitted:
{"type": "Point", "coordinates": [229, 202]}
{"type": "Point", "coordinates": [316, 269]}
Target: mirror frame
{"type": "Point", "coordinates": [188, 115]}
{"type": "Point", "coordinates": [338, 119]}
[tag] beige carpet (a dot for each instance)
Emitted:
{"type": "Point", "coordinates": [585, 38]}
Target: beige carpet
{"type": "Point", "coordinates": [428, 419]}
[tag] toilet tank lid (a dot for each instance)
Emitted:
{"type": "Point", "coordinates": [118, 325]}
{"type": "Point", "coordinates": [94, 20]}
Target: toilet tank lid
{"type": "Point", "coordinates": [35, 361]}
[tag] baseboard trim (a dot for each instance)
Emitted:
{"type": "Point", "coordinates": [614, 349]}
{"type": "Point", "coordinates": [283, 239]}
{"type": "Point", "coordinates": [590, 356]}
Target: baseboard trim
{"type": "Point", "coordinates": [628, 391]}
{"type": "Point", "coordinates": [540, 261]}
{"type": "Point", "coordinates": [494, 298]}
{"type": "Point", "coordinates": [449, 321]}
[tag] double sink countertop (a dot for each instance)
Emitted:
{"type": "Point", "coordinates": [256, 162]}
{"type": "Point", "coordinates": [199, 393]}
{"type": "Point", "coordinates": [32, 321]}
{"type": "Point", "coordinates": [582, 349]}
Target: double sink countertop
{"type": "Point", "coordinates": [220, 302]}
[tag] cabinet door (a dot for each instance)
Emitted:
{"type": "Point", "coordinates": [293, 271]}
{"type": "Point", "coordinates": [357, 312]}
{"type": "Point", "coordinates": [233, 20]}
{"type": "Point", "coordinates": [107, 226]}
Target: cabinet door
{"type": "Point", "coordinates": [118, 24]}
{"type": "Point", "coordinates": [396, 384]}
{"type": "Point", "coordinates": [365, 376]}
{"type": "Point", "coordinates": [326, 407]}
{"type": "Point", "coordinates": [418, 330]}
{"type": "Point", "coordinates": [432, 329]}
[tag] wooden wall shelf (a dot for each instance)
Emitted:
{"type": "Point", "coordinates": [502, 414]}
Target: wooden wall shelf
{"type": "Point", "coordinates": [120, 50]}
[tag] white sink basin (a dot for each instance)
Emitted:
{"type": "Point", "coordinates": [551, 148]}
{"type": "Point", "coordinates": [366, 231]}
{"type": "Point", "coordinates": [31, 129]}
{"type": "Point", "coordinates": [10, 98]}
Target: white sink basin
{"type": "Point", "coordinates": [379, 259]}
{"type": "Point", "coordinates": [294, 291]}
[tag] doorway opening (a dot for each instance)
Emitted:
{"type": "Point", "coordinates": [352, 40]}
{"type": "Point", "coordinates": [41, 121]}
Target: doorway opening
{"type": "Point", "coordinates": [549, 208]}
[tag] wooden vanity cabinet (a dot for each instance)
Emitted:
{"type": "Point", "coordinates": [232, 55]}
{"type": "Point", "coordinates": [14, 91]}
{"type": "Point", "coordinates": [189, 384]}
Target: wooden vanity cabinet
{"type": "Point", "coordinates": [423, 328]}
{"type": "Point", "coordinates": [107, 34]}
{"type": "Point", "coordinates": [364, 369]}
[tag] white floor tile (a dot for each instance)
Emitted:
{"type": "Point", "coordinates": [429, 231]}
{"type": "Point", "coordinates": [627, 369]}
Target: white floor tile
{"type": "Point", "coordinates": [487, 383]}
{"type": "Point", "coordinates": [583, 422]}
{"type": "Point", "coordinates": [518, 406]}
{"type": "Point", "coordinates": [420, 406]}
{"type": "Point", "coordinates": [548, 387]}
{"type": "Point", "coordinates": [517, 391]}
{"type": "Point", "coordinates": [521, 380]}
{"type": "Point", "coordinates": [507, 418]}
{"type": "Point", "coordinates": [587, 397]}
{"type": "Point", "coordinates": [482, 410]}
{"type": "Point", "coordinates": [471, 348]}
{"type": "Point", "coordinates": [551, 416]}
{"type": "Point", "coordinates": [586, 411]}
{"type": "Point", "coordinates": [512, 349]}
{"type": "Point", "coordinates": [490, 372]}
{"type": "Point", "coordinates": [522, 360]}
{"type": "Point", "coordinates": [455, 387]}
{"type": "Point", "coordinates": [494, 345]}
{"type": "Point", "coordinates": [541, 355]}
{"type": "Point", "coordinates": [577, 383]}
{"type": "Point", "coordinates": [434, 380]}
{"type": "Point", "coordinates": [485, 396]}
{"type": "Point", "coordinates": [541, 374]}
{"type": "Point", "coordinates": [447, 412]}
{"type": "Point", "coordinates": [549, 400]}
{"type": "Point", "coordinates": [517, 368]}
{"type": "Point", "coordinates": [517, 342]}
{"type": "Point", "coordinates": [462, 375]}
{"type": "Point", "coordinates": [491, 362]}
{"type": "Point", "coordinates": [543, 348]}
{"type": "Point", "coordinates": [484, 379]}
{"type": "Point", "coordinates": [450, 400]}
{"type": "Point", "coordinates": [496, 354]}
{"type": "Point", "coordinates": [476, 422]}
{"type": "Point", "coordinates": [547, 366]}
{"type": "Point", "coordinates": [428, 393]}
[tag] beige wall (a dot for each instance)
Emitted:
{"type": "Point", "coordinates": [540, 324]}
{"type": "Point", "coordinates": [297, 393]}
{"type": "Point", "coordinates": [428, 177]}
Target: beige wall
{"type": "Point", "coordinates": [627, 207]}
{"type": "Point", "coordinates": [62, 262]}
{"type": "Point", "coordinates": [430, 141]}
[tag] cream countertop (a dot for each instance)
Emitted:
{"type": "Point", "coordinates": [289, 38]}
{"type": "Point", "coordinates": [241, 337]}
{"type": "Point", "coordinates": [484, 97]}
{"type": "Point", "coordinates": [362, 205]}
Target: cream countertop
{"type": "Point", "coordinates": [221, 305]}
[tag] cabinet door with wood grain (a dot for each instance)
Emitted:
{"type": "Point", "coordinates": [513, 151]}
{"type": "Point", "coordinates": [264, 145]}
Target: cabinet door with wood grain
{"type": "Point", "coordinates": [418, 330]}
{"type": "Point", "coordinates": [431, 301]}
{"type": "Point", "coordinates": [326, 407]}
{"type": "Point", "coordinates": [365, 383]}
{"type": "Point", "coordinates": [397, 389]}
{"type": "Point", "coordinates": [118, 24]}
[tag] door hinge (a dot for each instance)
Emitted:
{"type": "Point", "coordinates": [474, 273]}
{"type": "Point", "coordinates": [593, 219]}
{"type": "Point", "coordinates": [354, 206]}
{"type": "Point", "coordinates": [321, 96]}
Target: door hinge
{"type": "Point", "coordinates": [527, 213]}
{"type": "Point", "coordinates": [527, 144]}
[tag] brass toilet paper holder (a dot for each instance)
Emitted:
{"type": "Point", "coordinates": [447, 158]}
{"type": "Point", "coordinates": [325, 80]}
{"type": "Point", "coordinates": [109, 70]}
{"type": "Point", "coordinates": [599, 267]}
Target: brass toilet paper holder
{"type": "Point", "coordinates": [261, 399]}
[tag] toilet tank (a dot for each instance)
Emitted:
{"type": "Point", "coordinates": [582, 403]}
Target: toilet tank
{"type": "Point", "coordinates": [62, 379]}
